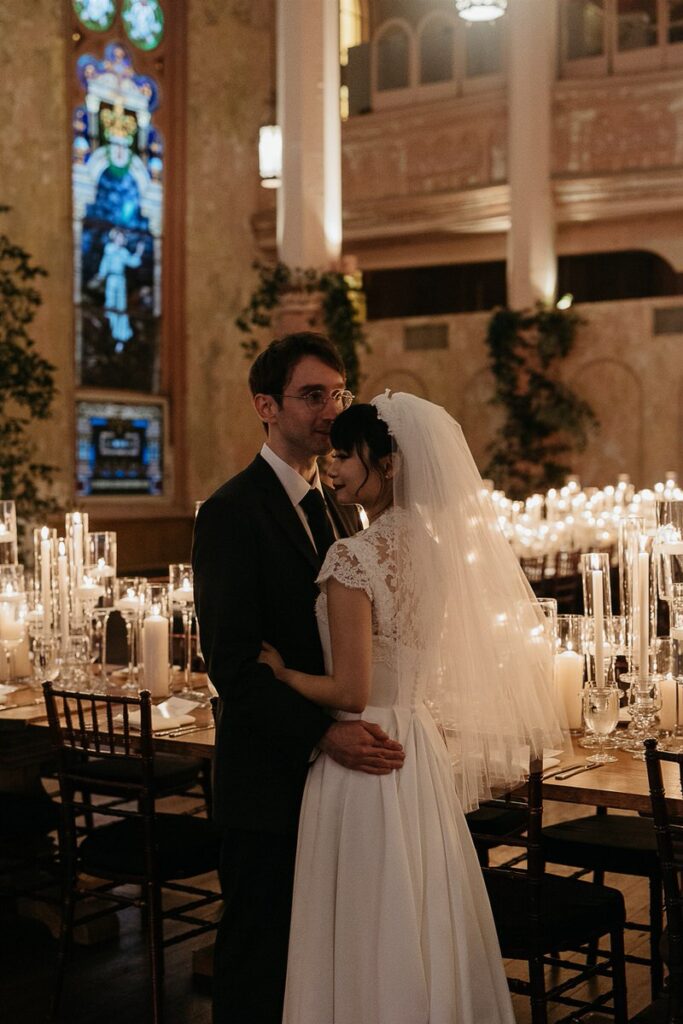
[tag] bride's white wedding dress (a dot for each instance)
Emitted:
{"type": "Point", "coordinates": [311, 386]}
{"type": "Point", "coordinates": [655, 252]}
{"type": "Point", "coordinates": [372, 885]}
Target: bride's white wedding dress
{"type": "Point", "coordinates": [391, 923]}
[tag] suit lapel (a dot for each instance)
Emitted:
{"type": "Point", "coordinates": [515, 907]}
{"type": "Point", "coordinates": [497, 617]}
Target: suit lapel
{"type": "Point", "coordinates": [281, 511]}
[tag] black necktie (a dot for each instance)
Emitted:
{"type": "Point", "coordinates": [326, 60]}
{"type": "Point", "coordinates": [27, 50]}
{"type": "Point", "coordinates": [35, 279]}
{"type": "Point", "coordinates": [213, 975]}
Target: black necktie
{"type": "Point", "coordinates": [315, 509]}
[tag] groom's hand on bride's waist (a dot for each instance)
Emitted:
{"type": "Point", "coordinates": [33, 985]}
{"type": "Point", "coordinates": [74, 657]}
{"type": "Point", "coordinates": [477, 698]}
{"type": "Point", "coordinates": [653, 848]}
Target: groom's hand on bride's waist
{"type": "Point", "coordinates": [362, 746]}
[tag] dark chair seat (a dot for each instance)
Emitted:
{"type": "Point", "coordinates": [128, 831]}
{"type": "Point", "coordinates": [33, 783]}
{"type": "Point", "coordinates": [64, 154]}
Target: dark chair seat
{"type": "Point", "coordinates": [572, 912]}
{"type": "Point", "coordinates": [171, 772]}
{"type": "Point", "coordinates": [186, 846]}
{"type": "Point", "coordinates": [27, 816]}
{"type": "Point", "coordinates": [497, 819]}
{"type": "Point", "coordinates": [608, 842]}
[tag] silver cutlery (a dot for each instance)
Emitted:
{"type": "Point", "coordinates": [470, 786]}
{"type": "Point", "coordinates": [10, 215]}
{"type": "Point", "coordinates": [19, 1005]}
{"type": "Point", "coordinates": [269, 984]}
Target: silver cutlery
{"type": "Point", "coordinates": [578, 771]}
{"type": "Point", "coordinates": [563, 768]}
{"type": "Point", "coordinates": [8, 707]}
{"type": "Point", "coordinates": [183, 730]}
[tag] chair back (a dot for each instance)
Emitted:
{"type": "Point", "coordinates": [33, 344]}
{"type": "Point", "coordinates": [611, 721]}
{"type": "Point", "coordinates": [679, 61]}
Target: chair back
{"type": "Point", "coordinates": [531, 842]}
{"type": "Point", "coordinates": [95, 727]}
{"type": "Point", "coordinates": [669, 835]}
{"type": "Point", "coordinates": [567, 563]}
{"type": "Point", "coordinates": [533, 567]}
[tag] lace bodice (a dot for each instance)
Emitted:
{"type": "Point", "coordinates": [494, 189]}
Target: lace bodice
{"type": "Point", "coordinates": [378, 561]}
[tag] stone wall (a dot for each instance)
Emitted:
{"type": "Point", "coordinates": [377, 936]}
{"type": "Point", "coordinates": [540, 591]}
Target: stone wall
{"type": "Point", "coordinates": [632, 378]}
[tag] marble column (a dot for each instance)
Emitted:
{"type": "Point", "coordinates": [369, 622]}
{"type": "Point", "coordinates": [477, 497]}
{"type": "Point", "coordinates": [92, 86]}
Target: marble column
{"type": "Point", "coordinates": [309, 200]}
{"type": "Point", "coordinates": [532, 62]}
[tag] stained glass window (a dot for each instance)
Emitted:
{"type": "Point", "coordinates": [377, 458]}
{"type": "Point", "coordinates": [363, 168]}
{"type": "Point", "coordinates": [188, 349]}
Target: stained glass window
{"type": "Point", "coordinates": [117, 184]}
{"type": "Point", "coordinates": [95, 14]}
{"type": "Point", "coordinates": [144, 22]}
{"type": "Point", "coordinates": [119, 449]}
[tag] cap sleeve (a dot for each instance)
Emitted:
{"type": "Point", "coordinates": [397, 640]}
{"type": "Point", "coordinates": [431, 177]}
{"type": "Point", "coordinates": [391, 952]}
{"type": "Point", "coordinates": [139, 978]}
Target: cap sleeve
{"type": "Point", "coordinates": [343, 564]}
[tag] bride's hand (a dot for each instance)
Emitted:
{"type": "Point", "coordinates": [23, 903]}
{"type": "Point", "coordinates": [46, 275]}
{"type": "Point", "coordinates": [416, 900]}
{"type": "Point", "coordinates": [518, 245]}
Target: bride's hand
{"type": "Point", "coordinates": [269, 656]}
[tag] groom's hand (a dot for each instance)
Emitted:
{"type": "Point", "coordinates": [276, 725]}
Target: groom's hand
{"type": "Point", "coordinates": [363, 747]}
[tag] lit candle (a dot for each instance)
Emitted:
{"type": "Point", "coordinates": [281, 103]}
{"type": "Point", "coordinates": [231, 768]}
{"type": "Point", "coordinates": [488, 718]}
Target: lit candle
{"type": "Point", "coordinates": [184, 594]}
{"type": "Point", "coordinates": [89, 591]}
{"type": "Point", "coordinates": [155, 661]}
{"type": "Point", "coordinates": [102, 570]}
{"type": "Point", "coordinates": [45, 570]}
{"type": "Point", "coordinates": [568, 679]}
{"type": "Point", "coordinates": [77, 550]}
{"type": "Point", "coordinates": [644, 613]}
{"type": "Point", "coordinates": [599, 627]}
{"type": "Point", "coordinates": [6, 535]}
{"type": "Point", "coordinates": [63, 579]}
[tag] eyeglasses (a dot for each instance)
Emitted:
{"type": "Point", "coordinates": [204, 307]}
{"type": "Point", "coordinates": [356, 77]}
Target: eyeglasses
{"type": "Point", "coordinates": [317, 398]}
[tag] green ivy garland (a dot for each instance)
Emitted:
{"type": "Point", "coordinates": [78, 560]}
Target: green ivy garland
{"type": "Point", "coordinates": [544, 421]}
{"type": "Point", "coordinates": [27, 385]}
{"type": "Point", "coordinates": [341, 306]}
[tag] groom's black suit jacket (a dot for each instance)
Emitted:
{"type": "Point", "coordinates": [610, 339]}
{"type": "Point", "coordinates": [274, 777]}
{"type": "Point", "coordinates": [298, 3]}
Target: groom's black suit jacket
{"type": "Point", "coordinates": [254, 579]}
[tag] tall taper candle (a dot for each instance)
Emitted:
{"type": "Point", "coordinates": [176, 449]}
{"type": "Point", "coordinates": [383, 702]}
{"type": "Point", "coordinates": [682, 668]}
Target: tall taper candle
{"type": "Point", "coordinates": [599, 627]}
{"type": "Point", "coordinates": [644, 614]}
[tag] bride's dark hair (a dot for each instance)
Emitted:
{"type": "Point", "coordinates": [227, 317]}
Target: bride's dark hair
{"type": "Point", "coordinates": [359, 429]}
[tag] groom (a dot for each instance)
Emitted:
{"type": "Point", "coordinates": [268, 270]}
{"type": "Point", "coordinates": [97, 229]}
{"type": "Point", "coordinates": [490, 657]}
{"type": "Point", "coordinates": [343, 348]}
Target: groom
{"type": "Point", "coordinates": [259, 542]}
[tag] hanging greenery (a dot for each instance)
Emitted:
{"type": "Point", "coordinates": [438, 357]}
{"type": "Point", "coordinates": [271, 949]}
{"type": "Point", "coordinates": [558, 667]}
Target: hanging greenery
{"type": "Point", "coordinates": [27, 386]}
{"type": "Point", "coordinates": [342, 307]}
{"type": "Point", "coordinates": [544, 421]}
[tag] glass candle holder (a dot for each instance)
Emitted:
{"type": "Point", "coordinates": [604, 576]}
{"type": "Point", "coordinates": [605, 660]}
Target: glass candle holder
{"type": "Point", "coordinates": [44, 573]}
{"type": "Point", "coordinates": [569, 669]}
{"type": "Point", "coordinates": [9, 552]}
{"type": "Point", "coordinates": [181, 586]}
{"type": "Point", "coordinates": [129, 601]}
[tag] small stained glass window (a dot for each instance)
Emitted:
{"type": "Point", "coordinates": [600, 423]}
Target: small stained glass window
{"type": "Point", "coordinates": [96, 15]}
{"type": "Point", "coordinates": [144, 23]}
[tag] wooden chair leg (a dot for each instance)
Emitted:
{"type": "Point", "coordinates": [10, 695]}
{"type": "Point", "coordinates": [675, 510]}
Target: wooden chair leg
{"type": "Point", "coordinates": [65, 936]}
{"type": "Point", "coordinates": [156, 950]}
{"type": "Point", "coordinates": [539, 1003]}
{"type": "Point", "coordinates": [619, 976]}
{"type": "Point", "coordinates": [598, 879]}
{"type": "Point", "coordinates": [656, 965]}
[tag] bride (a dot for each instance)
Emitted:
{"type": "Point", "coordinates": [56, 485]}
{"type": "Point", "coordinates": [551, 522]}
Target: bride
{"type": "Point", "coordinates": [429, 628]}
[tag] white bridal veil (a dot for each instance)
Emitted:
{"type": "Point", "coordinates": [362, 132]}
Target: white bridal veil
{"type": "Point", "coordinates": [469, 625]}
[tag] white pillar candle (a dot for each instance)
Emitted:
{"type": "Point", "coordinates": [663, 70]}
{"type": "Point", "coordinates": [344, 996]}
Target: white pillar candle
{"type": "Point", "coordinates": [184, 594]}
{"type": "Point", "coordinates": [45, 569]}
{"type": "Point", "coordinates": [644, 613]}
{"type": "Point", "coordinates": [63, 580]}
{"type": "Point", "coordinates": [155, 640]}
{"type": "Point", "coordinates": [20, 660]}
{"type": "Point", "coordinates": [667, 714]}
{"type": "Point", "coordinates": [77, 551]}
{"type": "Point", "coordinates": [599, 628]}
{"type": "Point", "coordinates": [568, 679]}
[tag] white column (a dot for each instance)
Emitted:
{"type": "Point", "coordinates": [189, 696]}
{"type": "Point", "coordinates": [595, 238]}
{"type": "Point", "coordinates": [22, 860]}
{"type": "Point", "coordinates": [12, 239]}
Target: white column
{"type": "Point", "coordinates": [532, 62]}
{"type": "Point", "coordinates": [309, 225]}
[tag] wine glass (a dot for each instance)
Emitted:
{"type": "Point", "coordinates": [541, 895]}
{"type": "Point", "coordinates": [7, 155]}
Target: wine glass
{"type": "Point", "coordinates": [601, 712]}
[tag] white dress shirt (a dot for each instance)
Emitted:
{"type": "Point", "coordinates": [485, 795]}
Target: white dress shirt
{"type": "Point", "coordinates": [296, 487]}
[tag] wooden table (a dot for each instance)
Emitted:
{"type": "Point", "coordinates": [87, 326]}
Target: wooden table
{"type": "Point", "coordinates": [622, 784]}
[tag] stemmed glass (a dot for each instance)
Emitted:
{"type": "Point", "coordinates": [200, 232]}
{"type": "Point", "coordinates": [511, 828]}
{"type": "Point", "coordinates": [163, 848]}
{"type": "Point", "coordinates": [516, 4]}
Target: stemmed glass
{"type": "Point", "coordinates": [645, 702]}
{"type": "Point", "coordinates": [181, 585]}
{"type": "Point", "coordinates": [601, 712]}
{"type": "Point", "coordinates": [129, 601]}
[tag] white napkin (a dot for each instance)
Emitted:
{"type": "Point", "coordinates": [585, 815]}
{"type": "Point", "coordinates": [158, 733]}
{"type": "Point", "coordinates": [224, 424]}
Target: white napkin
{"type": "Point", "coordinates": [168, 715]}
{"type": "Point", "coordinates": [5, 691]}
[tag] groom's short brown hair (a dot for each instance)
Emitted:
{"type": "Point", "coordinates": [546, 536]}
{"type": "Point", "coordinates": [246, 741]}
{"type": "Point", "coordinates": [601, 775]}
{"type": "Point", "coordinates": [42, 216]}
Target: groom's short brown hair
{"type": "Point", "coordinates": [272, 369]}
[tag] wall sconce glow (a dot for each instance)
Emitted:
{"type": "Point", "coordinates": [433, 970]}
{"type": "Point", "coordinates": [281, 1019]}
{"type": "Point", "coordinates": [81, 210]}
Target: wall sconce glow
{"type": "Point", "coordinates": [270, 155]}
{"type": "Point", "coordinates": [566, 301]}
{"type": "Point", "coordinates": [481, 10]}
